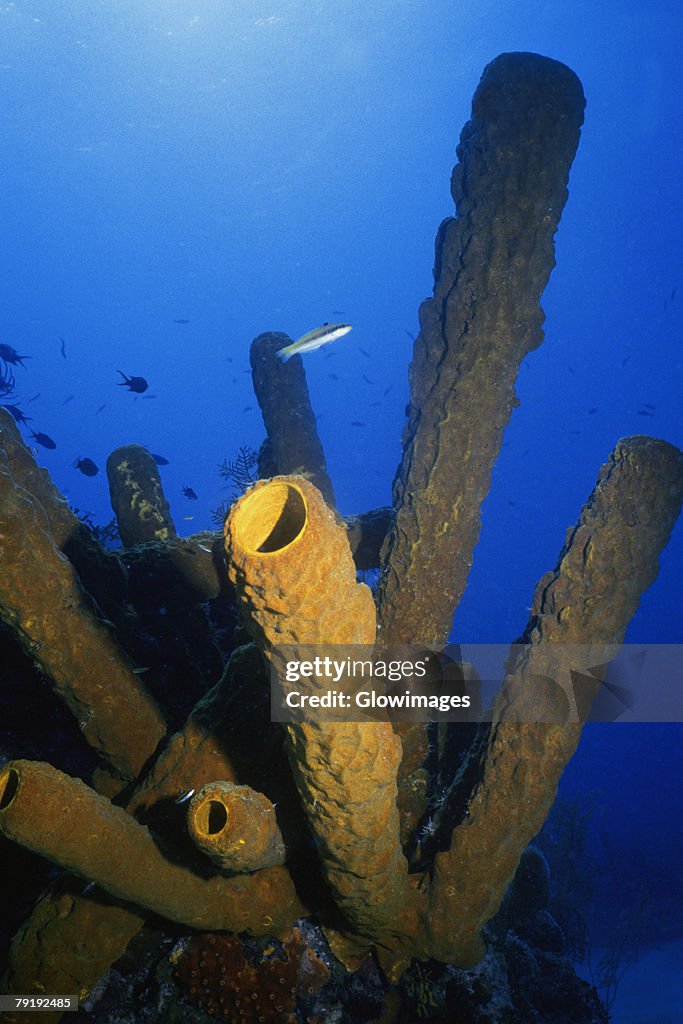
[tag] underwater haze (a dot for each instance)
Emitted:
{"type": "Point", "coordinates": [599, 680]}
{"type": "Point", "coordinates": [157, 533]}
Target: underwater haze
{"type": "Point", "coordinates": [179, 177]}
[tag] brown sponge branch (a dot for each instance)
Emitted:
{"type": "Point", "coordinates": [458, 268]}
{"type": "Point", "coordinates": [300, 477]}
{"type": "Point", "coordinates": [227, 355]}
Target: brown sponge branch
{"type": "Point", "coordinates": [584, 605]}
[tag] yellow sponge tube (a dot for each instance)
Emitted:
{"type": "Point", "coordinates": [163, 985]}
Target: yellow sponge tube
{"type": "Point", "coordinates": [236, 827]}
{"type": "Point", "coordinates": [292, 567]}
{"type": "Point", "coordinates": [291, 563]}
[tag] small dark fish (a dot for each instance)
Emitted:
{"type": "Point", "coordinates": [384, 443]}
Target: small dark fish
{"type": "Point", "coordinates": [592, 412]}
{"type": "Point", "coordinates": [645, 412]}
{"type": "Point", "coordinates": [181, 321]}
{"type": "Point", "coordinates": [364, 352]}
{"type": "Point", "coordinates": [624, 361]}
{"type": "Point", "coordinates": [35, 397]}
{"type": "Point", "coordinates": [512, 504]}
{"type": "Point", "coordinates": [17, 413]}
{"type": "Point", "coordinates": [148, 398]}
{"type": "Point", "coordinates": [62, 348]}
{"type": "Point", "coordinates": [67, 400]}
{"type": "Point", "coordinates": [338, 312]}
{"type": "Point", "coordinates": [649, 405]}
{"type": "Point", "coordinates": [136, 384]}
{"type": "Point", "coordinates": [189, 493]}
{"type": "Point", "coordinates": [387, 390]}
{"type": "Point", "coordinates": [160, 460]}
{"type": "Point", "coordinates": [101, 408]}
{"type": "Point", "coordinates": [357, 423]}
{"type": "Point", "coordinates": [673, 293]}
{"type": "Point", "coordinates": [411, 336]}
{"type": "Point", "coordinates": [10, 355]}
{"type": "Point", "coordinates": [247, 408]}
{"type": "Point", "coordinates": [574, 431]}
{"type": "Point", "coordinates": [44, 439]}
{"type": "Point", "coordinates": [86, 466]}
{"type": "Point", "coordinates": [367, 379]}
{"type": "Point", "coordinates": [333, 376]}
{"type": "Point", "coordinates": [374, 405]}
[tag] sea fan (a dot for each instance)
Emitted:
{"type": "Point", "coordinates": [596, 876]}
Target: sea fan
{"type": "Point", "coordinates": [219, 514]}
{"type": "Point", "coordinates": [242, 472]}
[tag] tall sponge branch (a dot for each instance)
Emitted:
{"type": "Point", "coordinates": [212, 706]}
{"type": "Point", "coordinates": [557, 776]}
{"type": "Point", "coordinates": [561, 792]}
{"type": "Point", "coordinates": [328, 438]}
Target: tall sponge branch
{"type": "Point", "coordinates": [291, 564]}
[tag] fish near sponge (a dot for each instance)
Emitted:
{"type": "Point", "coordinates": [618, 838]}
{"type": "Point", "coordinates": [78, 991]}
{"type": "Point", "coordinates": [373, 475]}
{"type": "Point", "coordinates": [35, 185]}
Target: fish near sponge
{"type": "Point", "coordinates": [293, 446]}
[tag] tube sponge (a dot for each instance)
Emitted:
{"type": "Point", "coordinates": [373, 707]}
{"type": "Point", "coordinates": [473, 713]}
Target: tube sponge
{"type": "Point", "coordinates": [492, 263]}
{"type": "Point", "coordinates": [610, 557]}
{"type": "Point", "coordinates": [291, 564]}
{"type": "Point", "coordinates": [137, 497]}
{"type": "Point", "coordinates": [293, 445]}
{"type": "Point", "coordinates": [55, 621]}
{"type": "Point", "coordinates": [236, 827]}
{"type": "Point", "coordinates": [72, 938]}
{"type": "Point", "coordinates": [64, 820]}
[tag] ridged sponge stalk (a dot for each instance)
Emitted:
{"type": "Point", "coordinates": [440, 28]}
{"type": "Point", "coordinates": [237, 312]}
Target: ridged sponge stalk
{"type": "Point", "coordinates": [291, 563]}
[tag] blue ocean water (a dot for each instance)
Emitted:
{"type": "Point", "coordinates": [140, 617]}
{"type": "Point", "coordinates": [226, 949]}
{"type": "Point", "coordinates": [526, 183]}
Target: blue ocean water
{"type": "Point", "coordinates": [180, 177]}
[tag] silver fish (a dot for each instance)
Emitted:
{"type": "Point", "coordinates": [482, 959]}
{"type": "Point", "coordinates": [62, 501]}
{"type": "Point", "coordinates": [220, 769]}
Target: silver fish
{"type": "Point", "coordinates": [313, 339]}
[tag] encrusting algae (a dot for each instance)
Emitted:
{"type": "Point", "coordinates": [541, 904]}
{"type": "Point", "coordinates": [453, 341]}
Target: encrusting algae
{"type": "Point", "coordinates": [318, 818]}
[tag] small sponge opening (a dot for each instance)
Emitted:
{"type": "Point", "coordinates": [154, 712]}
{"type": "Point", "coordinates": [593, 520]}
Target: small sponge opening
{"type": "Point", "coordinates": [217, 817]}
{"type": "Point", "coordinates": [9, 784]}
{"type": "Point", "coordinates": [208, 818]}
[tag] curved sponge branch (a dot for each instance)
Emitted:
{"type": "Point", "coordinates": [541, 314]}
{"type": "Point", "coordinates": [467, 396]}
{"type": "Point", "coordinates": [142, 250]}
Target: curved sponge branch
{"type": "Point", "coordinates": [41, 598]}
{"type": "Point", "coordinates": [74, 936]}
{"type": "Point", "coordinates": [64, 820]}
{"type": "Point", "coordinates": [610, 557]}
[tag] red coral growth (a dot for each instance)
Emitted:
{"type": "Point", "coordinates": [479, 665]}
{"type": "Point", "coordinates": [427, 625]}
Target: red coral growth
{"type": "Point", "coordinates": [214, 973]}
